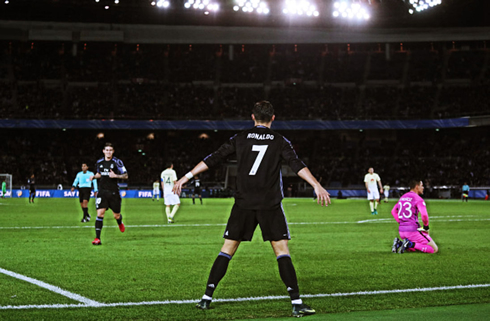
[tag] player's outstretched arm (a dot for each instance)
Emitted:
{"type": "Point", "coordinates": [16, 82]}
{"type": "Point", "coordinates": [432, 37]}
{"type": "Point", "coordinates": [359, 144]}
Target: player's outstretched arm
{"type": "Point", "coordinates": [323, 197]}
{"type": "Point", "coordinates": [201, 167]}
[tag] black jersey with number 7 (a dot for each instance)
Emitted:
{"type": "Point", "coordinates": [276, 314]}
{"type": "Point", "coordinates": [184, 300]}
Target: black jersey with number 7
{"type": "Point", "coordinates": [259, 152]}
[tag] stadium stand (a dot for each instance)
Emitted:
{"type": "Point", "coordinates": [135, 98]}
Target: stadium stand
{"type": "Point", "coordinates": [55, 80]}
{"type": "Point", "coordinates": [151, 79]}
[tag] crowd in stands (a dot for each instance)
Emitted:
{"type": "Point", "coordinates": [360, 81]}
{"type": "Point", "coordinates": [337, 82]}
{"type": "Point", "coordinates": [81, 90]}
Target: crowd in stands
{"type": "Point", "coordinates": [339, 158]}
{"type": "Point", "coordinates": [53, 80]}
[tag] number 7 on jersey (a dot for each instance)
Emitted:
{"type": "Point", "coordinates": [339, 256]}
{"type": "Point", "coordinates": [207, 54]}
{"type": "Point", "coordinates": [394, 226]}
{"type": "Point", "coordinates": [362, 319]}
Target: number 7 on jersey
{"type": "Point", "coordinates": [261, 149]}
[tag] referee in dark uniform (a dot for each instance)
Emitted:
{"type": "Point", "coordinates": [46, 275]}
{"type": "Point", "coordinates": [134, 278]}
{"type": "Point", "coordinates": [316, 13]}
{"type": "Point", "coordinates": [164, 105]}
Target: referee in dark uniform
{"type": "Point", "coordinates": [108, 170]}
{"type": "Point", "coordinates": [32, 188]}
{"type": "Point", "coordinates": [259, 152]}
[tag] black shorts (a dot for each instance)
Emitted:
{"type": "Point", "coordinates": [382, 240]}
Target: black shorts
{"type": "Point", "coordinates": [242, 223]}
{"type": "Point", "coordinates": [108, 200]}
{"type": "Point", "coordinates": [84, 193]}
{"type": "Point", "coordinates": [197, 191]}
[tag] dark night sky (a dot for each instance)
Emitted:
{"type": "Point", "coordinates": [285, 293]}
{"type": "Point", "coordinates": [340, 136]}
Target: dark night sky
{"type": "Point", "coordinates": [385, 14]}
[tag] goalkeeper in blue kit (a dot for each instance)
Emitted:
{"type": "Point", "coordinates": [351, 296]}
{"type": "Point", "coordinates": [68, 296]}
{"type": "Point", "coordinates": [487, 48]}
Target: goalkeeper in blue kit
{"type": "Point", "coordinates": [84, 184]}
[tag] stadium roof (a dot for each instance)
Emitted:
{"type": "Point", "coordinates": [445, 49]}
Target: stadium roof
{"type": "Point", "coordinates": [385, 14]}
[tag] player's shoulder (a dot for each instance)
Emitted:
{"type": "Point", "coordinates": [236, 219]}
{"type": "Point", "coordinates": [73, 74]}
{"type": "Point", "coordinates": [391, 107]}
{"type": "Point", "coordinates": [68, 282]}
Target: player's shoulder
{"type": "Point", "coordinates": [100, 160]}
{"type": "Point", "coordinates": [419, 199]}
{"type": "Point", "coordinates": [117, 161]}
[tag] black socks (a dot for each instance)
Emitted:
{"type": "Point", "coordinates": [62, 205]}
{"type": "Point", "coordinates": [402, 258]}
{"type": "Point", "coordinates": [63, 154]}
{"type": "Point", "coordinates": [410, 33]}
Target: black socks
{"type": "Point", "coordinates": [85, 212]}
{"type": "Point", "coordinates": [218, 271]}
{"type": "Point", "coordinates": [288, 275]}
{"type": "Point", "coordinates": [99, 222]}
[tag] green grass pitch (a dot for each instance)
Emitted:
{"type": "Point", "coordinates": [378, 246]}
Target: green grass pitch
{"type": "Point", "coordinates": [340, 249]}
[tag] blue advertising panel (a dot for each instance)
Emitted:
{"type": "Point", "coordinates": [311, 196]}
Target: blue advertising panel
{"type": "Point", "coordinates": [53, 193]}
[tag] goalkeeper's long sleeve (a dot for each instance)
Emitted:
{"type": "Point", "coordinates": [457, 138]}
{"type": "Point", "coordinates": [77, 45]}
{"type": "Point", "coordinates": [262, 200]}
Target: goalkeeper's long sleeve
{"type": "Point", "coordinates": [424, 215]}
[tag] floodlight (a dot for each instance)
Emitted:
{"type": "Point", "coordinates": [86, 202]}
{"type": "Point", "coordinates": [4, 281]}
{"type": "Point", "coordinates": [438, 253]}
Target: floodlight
{"type": "Point", "coordinates": [300, 7]}
{"type": "Point", "coordinates": [205, 5]}
{"type": "Point", "coordinates": [348, 9]}
{"type": "Point", "coordinates": [258, 6]}
{"type": "Point", "coordinates": [163, 4]}
{"type": "Point", "coordinates": [421, 5]}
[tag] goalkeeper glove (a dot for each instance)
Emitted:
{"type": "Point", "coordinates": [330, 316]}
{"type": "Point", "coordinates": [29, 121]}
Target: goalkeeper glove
{"type": "Point", "coordinates": [424, 229]}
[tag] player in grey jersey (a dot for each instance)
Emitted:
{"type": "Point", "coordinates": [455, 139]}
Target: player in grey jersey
{"type": "Point", "coordinates": [258, 196]}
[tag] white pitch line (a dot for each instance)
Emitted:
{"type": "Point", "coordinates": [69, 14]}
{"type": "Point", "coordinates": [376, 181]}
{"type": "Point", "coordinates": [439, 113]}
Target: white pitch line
{"type": "Point", "coordinates": [52, 288]}
{"type": "Point", "coordinates": [453, 218]}
{"type": "Point", "coordinates": [260, 298]}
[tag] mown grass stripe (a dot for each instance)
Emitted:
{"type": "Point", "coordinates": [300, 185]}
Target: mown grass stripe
{"type": "Point", "coordinates": [371, 221]}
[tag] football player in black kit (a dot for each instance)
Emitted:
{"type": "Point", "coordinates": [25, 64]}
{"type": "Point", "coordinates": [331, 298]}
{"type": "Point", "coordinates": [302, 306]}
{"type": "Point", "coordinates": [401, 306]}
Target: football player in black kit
{"type": "Point", "coordinates": [32, 188]}
{"type": "Point", "coordinates": [197, 190]}
{"type": "Point", "coordinates": [108, 170]}
{"type": "Point", "coordinates": [259, 152]}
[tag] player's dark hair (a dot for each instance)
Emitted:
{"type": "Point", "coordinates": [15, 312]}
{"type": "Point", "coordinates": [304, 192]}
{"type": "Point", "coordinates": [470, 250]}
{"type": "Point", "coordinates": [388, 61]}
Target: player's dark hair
{"type": "Point", "coordinates": [108, 145]}
{"type": "Point", "coordinates": [414, 183]}
{"type": "Point", "coordinates": [263, 111]}
{"type": "Point", "coordinates": [168, 164]}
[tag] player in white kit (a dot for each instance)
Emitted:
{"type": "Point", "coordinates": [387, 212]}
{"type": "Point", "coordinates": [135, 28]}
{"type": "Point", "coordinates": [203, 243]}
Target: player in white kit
{"type": "Point", "coordinates": [168, 179]}
{"type": "Point", "coordinates": [156, 191]}
{"type": "Point", "coordinates": [387, 192]}
{"type": "Point", "coordinates": [372, 180]}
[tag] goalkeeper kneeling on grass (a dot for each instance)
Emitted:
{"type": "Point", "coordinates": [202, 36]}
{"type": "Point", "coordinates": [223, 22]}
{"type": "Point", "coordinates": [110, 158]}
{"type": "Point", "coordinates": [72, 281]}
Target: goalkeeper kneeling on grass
{"type": "Point", "coordinates": [413, 237]}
